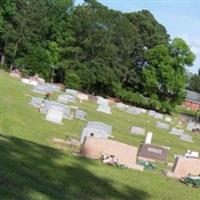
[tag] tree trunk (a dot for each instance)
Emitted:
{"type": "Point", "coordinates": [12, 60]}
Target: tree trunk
{"type": "Point", "coordinates": [52, 75]}
{"type": "Point", "coordinates": [2, 60]}
{"type": "Point", "coordinates": [14, 54]}
{"type": "Point", "coordinates": [11, 67]}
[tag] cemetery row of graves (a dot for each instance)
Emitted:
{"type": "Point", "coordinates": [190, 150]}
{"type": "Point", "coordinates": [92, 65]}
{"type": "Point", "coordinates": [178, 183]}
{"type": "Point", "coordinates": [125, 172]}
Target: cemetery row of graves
{"type": "Point", "coordinates": [130, 151]}
{"type": "Point", "coordinates": [96, 139]}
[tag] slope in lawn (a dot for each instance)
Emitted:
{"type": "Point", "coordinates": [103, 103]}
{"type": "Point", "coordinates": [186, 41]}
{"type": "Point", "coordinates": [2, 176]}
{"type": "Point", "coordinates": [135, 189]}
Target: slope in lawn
{"type": "Point", "coordinates": [32, 169]}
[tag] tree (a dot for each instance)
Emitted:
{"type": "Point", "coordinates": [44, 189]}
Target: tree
{"type": "Point", "coordinates": [164, 73]}
{"type": "Point", "coordinates": [95, 49]}
{"type": "Point", "coordinates": [194, 83]}
{"type": "Point", "coordinates": [72, 80]}
{"type": "Point", "coordinates": [53, 57]}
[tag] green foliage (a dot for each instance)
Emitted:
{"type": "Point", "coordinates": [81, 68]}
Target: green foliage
{"type": "Point", "coordinates": [130, 97]}
{"type": "Point", "coordinates": [72, 80]}
{"type": "Point", "coordinates": [33, 167]}
{"type": "Point", "coordinates": [93, 48]}
{"type": "Point", "coordinates": [194, 83]}
{"type": "Point", "coordinates": [164, 74]}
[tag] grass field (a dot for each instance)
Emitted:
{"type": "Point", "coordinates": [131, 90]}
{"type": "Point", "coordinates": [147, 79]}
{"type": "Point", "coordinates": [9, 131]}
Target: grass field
{"type": "Point", "coordinates": [32, 167]}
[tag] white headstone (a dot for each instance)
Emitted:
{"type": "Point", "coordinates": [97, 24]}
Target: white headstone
{"type": "Point", "coordinates": [190, 126]}
{"type": "Point", "coordinates": [53, 87]}
{"type": "Point", "coordinates": [41, 89]}
{"type": "Point", "coordinates": [104, 108]}
{"type": "Point", "coordinates": [152, 113]}
{"type": "Point", "coordinates": [71, 92]}
{"type": "Point", "coordinates": [103, 101]}
{"type": "Point", "coordinates": [133, 110]}
{"type": "Point", "coordinates": [29, 82]}
{"type": "Point", "coordinates": [54, 115]}
{"type": "Point", "coordinates": [137, 130]}
{"type": "Point", "coordinates": [100, 125]}
{"type": "Point", "coordinates": [176, 131]}
{"type": "Point", "coordinates": [53, 104]}
{"type": "Point", "coordinates": [192, 154]}
{"type": "Point", "coordinates": [168, 119]}
{"type": "Point", "coordinates": [36, 101]}
{"type": "Point", "coordinates": [185, 137]}
{"type": "Point", "coordinates": [162, 125]}
{"type": "Point", "coordinates": [65, 98]}
{"type": "Point", "coordinates": [93, 132]}
{"type": "Point", "coordinates": [121, 106]}
{"type": "Point", "coordinates": [148, 138]}
{"type": "Point", "coordinates": [82, 97]}
{"type": "Point", "coordinates": [158, 116]}
{"type": "Point", "coordinates": [142, 110]}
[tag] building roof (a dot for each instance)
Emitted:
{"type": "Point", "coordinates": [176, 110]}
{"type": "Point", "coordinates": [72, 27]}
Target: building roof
{"type": "Point", "coordinates": [193, 96]}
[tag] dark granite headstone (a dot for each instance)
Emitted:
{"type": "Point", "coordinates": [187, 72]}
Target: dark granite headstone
{"type": "Point", "coordinates": [152, 152]}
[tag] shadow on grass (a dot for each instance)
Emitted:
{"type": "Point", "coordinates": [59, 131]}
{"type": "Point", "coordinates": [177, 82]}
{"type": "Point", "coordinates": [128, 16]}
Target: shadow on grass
{"type": "Point", "coordinates": [32, 171]}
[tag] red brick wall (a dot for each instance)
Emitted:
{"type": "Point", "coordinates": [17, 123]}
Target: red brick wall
{"type": "Point", "coordinates": [192, 105]}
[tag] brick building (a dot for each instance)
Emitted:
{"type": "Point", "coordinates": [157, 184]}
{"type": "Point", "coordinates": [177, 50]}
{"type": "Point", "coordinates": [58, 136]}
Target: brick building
{"type": "Point", "coordinates": [192, 100]}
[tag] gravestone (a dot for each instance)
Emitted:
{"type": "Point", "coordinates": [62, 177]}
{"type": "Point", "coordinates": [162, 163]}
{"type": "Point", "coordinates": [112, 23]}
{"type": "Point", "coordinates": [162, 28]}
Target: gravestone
{"type": "Point", "coordinates": [104, 108]}
{"type": "Point", "coordinates": [96, 129]}
{"type": "Point", "coordinates": [93, 132]}
{"type": "Point", "coordinates": [176, 131]}
{"type": "Point", "coordinates": [152, 113]}
{"type": "Point", "coordinates": [152, 152]}
{"type": "Point", "coordinates": [133, 110]}
{"type": "Point", "coordinates": [96, 147]}
{"type": "Point", "coordinates": [62, 99]}
{"type": "Point", "coordinates": [142, 110]}
{"type": "Point", "coordinates": [121, 106]}
{"type": "Point", "coordinates": [168, 119]}
{"type": "Point", "coordinates": [192, 154]}
{"type": "Point", "coordinates": [29, 82]}
{"type": "Point", "coordinates": [184, 166]}
{"type": "Point", "coordinates": [158, 116]}
{"type": "Point", "coordinates": [55, 115]}
{"type": "Point", "coordinates": [53, 104]}
{"type": "Point", "coordinates": [41, 89]}
{"type": "Point", "coordinates": [102, 101]}
{"type": "Point", "coordinates": [80, 114]}
{"type": "Point", "coordinates": [36, 101]}
{"type": "Point", "coordinates": [135, 130]}
{"type": "Point", "coordinates": [162, 125]}
{"type": "Point", "coordinates": [190, 126]}
{"type": "Point", "coordinates": [148, 138]}
{"type": "Point", "coordinates": [100, 125]}
{"type": "Point", "coordinates": [65, 98]}
{"type": "Point", "coordinates": [52, 87]}
{"type": "Point", "coordinates": [186, 138]}
{"type": "Point", "coordinates": [71, 92]}
{"type": "Point", "coordinates": [193, 126]}
{"type": "Point", "coordinates": [46, 88]}
{"type": "Point", "coordinates": [82, 97]}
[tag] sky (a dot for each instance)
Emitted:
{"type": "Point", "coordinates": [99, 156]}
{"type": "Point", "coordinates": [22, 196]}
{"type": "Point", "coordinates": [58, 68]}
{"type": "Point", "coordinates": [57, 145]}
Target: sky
{"type": "Point", "coordinates": [181, 18]}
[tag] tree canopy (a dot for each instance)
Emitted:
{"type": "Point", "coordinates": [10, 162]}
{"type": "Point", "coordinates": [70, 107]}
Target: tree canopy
{"type": "Point", "coordinates": [194, 82]}
{"type": "Point", "coordinates": [96, 49]}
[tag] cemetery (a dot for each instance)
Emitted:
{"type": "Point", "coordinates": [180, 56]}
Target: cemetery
{"type": "Point", "coordinates": [96, 147]}
{"type": "Point", "coordinates": [132, 135]}
{"type": "Point", "coordinates": [99, 100]}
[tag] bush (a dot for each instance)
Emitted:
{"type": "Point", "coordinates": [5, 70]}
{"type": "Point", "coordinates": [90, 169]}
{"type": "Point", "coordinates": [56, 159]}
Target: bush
{"type": "Point", "coordinates": [139, 100]}
{"type": "Point", "coordinates": [72, 80]}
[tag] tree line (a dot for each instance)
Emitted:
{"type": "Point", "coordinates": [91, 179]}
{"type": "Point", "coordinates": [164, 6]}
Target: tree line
{"type": "Point", "coordinates": [193, 82]}
{"type": "Point", "coordinates": [95, 49]}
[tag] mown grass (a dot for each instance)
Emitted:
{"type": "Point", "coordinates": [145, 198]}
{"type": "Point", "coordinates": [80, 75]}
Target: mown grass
{"type": "Point", "coordinates": [32, 167]}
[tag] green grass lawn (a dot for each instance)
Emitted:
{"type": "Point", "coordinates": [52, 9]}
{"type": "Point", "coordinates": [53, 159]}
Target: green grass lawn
{"type": "Point", "coordinates": [32, 167]}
